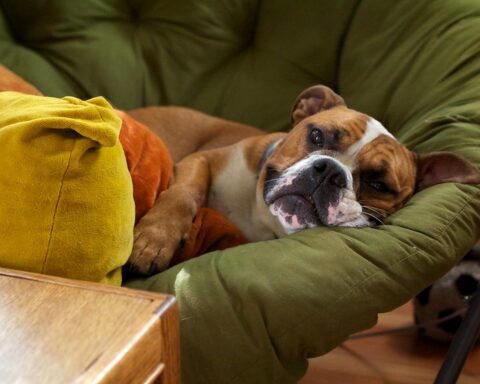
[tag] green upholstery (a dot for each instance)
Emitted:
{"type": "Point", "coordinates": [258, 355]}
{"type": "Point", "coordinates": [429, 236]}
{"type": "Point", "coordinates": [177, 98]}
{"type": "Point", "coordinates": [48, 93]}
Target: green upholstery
{"type": "Point", "coordinates": [206, 55]}
{"type": "Point", "coordinates": [254, 314]}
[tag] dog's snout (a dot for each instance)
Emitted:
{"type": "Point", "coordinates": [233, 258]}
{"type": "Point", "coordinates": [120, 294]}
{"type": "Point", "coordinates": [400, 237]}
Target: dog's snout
{"type": "Point", "coordinates": [330, 173]}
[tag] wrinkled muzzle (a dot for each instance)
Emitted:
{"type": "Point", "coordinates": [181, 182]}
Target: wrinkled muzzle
{"type": "Point", "coordinates": [317, 190]}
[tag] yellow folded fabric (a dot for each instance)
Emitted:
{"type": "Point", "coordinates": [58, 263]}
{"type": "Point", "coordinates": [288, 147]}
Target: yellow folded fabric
{"type": "Point", "coordinates": [66, 199]}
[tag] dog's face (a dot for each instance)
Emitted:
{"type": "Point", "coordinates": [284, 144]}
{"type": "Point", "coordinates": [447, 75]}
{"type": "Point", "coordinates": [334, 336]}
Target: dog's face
{"type": "Point", "coordinates": [340, 167]}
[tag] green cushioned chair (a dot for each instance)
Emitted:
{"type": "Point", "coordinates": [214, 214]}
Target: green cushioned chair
{"type": "Point", "coordinates": [254, 314]}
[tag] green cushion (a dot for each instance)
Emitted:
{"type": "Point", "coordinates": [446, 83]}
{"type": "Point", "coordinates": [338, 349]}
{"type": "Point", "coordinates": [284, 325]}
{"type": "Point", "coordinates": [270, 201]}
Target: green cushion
{"type": "Point", "coordinates": [269, 306]}
{"type": "Point", "coordinates": [255, 313]}
{"type": "Point", "coordinates": [203, 54]}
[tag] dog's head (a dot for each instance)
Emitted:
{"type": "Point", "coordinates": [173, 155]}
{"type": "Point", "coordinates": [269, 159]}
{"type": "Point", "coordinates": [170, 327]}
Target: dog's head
{"type": "Point", "coordinates": [340, 167]}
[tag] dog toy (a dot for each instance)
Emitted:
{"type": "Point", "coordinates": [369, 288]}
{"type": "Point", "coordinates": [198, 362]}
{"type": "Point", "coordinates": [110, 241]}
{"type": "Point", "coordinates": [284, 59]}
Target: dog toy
{"type": "Point", "coordinates": [448, 298]}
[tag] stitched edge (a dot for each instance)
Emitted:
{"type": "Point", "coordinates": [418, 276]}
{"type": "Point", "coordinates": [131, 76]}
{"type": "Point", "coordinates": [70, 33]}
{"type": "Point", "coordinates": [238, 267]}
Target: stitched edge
{"type": "Point", "coordinates": [449, 224]}
{"type": "Point", "coordinates": [343, 41]}
{"type": "Point", "coordinates": [47, 253]}
{"type": "Point", "coordinates": [299, 324]}
{"type": "Point", "coordinates": [414, 251]}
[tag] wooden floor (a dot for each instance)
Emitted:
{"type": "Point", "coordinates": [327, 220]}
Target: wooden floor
{"type": "Point", "coordinates": [394, 359]}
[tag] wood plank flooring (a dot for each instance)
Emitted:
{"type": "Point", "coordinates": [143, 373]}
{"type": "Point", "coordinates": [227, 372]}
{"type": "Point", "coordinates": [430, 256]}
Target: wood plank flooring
{"type": "Point", "coordinates": [392, 359]}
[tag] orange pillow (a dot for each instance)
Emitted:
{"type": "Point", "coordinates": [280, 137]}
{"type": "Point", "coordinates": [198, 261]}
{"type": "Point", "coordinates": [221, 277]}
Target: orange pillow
{"type": "Point", "coordinates": [151, 168]}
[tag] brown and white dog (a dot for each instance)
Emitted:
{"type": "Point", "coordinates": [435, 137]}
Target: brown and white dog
{"type": "Point", "coordinates": [336, 167]}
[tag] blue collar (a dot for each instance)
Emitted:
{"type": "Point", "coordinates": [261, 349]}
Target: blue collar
{"type": "Point", "coordinates": [266, 155]}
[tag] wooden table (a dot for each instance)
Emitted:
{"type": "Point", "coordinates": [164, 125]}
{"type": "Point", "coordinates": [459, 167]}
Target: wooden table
{"type": "Point", "coordinates": [55, 330]}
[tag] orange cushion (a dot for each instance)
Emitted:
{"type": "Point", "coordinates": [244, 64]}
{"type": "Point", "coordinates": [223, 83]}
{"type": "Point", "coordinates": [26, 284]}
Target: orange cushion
{"type": "Point", "coordinates": [151, 168]}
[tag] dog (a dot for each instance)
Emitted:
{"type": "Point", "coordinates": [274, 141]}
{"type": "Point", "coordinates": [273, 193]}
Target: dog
{"type": "Point", "coordinates": [336, 167]}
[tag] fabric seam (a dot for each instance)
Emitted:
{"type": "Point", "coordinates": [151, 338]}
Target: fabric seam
{"type": "Point", "coordinates": [47, 254]}
{"type": "Point", "coordinates": [456, 216]}
{"type": "Point", "coordinates": [414, 251]}
{"type": "Point", "coordinates": [343, 39]}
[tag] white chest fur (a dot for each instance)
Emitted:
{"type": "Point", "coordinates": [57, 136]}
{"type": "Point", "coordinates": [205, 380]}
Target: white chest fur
{"type": "Point", "coordinates": [233, 194]}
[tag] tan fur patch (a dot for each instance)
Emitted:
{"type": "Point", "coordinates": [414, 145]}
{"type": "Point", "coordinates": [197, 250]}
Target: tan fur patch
{"type": "Point", "coordinates": [395, 167]}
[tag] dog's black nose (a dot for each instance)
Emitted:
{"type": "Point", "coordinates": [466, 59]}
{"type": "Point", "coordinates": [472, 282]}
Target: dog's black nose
{"type": "Point", "coordinates": [330, 172]}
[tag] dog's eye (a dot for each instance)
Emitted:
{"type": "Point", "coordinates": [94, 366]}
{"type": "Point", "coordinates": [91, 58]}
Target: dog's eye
{"type": "Point", "coordinates": [379, 186]}
{"type": "Point", "coordinates": [316, 137]}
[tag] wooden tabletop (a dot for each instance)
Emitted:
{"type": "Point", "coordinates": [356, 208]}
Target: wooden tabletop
{"type": "Point", "coordinates": [54, 330]}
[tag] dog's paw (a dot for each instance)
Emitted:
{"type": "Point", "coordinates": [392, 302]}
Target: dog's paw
{"type": "Point", "coordinates": [154, 246]}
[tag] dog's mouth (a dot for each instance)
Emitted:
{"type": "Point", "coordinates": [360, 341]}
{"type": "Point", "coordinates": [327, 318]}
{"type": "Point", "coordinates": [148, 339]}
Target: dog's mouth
{"type": "Point", "coordinates": [298, 203]}
{"type": "Point", "coordinates": [295, 212]}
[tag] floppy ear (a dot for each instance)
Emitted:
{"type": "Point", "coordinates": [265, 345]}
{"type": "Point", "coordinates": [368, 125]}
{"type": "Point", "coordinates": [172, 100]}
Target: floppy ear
{"type": "Point", "coordinates": [313, 100]}
{"type": "Point", "coordinates": [441, 167]}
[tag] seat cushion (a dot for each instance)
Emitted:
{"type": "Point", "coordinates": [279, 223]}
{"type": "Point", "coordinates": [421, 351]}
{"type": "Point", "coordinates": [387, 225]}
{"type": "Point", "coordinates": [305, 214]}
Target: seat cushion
{"type": "Point", "coordinates": [66, 204]}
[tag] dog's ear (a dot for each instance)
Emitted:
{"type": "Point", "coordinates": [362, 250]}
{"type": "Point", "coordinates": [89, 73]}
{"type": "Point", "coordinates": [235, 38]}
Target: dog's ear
{"type": "Point", "coordinates": [313, 100]}
{"type": "Point", "coordinates": [441, 167]}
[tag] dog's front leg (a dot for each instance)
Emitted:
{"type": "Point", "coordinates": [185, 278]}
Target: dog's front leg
{"type": "Point", "coordinates": [159, 233]}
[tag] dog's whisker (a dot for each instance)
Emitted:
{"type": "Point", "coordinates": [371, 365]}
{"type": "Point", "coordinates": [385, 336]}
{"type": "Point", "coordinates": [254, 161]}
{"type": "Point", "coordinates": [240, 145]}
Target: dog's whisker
{"type": "Point", "coordinates": [374, 217]}
{"type": "Point", "coordinates": [378, 211]}
{"type": "Point", "coordinates": [381, 214]}
{"type": "Point", "coordinates": [373, 211]}
{"type": "Point", "coordinates": [272, 180]}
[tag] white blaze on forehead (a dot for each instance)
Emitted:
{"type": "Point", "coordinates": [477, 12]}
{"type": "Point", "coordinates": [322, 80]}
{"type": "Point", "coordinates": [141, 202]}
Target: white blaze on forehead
{"type": "Point", "coordinates": [373, 130]}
